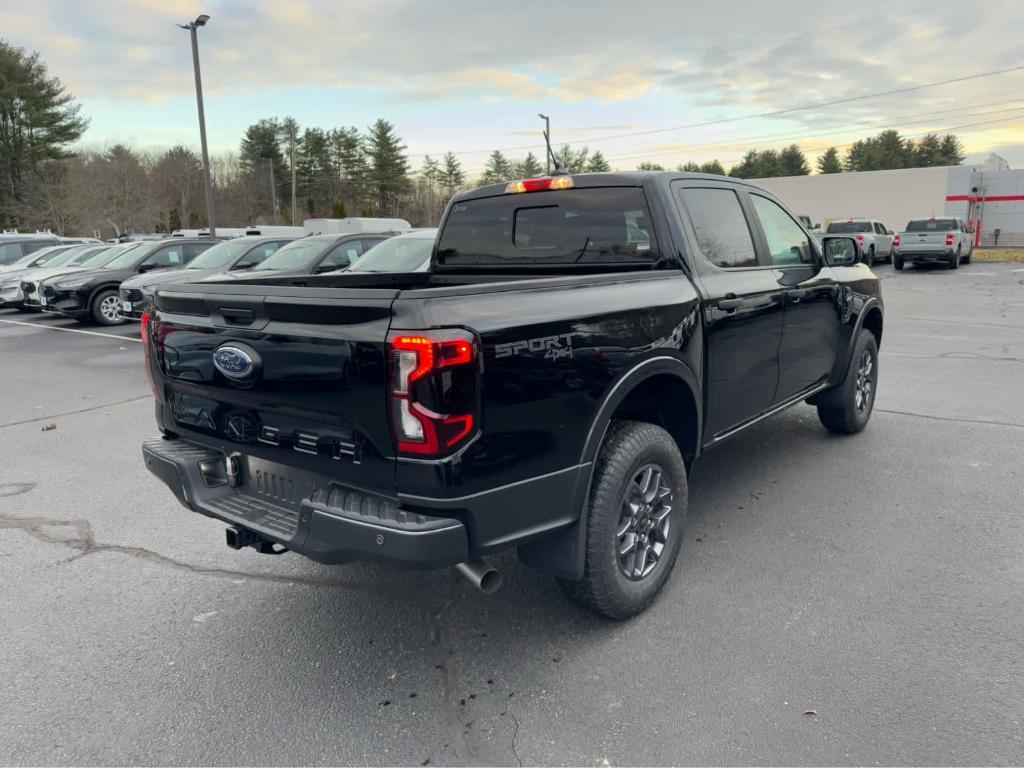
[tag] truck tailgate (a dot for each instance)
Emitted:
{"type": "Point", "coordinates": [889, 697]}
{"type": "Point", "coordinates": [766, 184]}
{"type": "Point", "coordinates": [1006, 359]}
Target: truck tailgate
{"type": "Point", "coordinates": [924, 242]}
{"type": "Point", "coordinates": [293, 379]}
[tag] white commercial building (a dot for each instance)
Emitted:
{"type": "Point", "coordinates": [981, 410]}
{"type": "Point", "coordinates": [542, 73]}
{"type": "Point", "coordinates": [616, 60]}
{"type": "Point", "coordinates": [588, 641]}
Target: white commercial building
{"type": "Point", "coordinates": [990, 197]}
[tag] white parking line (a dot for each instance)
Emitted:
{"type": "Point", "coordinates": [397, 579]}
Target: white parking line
{"type": "Point", "coordinates": [72, 330]}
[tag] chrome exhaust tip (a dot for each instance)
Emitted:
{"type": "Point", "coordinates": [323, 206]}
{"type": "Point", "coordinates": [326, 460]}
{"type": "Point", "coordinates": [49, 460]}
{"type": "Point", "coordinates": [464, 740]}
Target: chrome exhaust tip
{"type": "Point", "coordinates": [481, 575]}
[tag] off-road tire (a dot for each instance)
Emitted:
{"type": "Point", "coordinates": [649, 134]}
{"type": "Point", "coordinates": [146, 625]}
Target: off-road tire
{"type": "Point", "coordinates": [848, 417]}
{"type": "Point", "coordinates": [628, 447]}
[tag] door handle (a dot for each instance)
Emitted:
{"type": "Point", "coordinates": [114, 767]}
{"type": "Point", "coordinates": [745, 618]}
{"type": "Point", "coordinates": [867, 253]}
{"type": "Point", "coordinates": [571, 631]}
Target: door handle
{"type": "Point", "coordinates": [730, 303]}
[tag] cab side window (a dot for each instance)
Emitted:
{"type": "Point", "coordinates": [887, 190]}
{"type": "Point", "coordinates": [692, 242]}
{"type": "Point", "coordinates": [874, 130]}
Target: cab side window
{"type": "Point", "coordinates": [167, 257]}
{"type": "Point", "coordinates": [787, 243]}
{"type": "Point", "coordinates": [722, 232]}
{"type": "Point", "coordinates": [194, 249]}
{"type": "Point", "coordinates": [344, 255]}
{"type": "Point", "coordinates": [257, 255]}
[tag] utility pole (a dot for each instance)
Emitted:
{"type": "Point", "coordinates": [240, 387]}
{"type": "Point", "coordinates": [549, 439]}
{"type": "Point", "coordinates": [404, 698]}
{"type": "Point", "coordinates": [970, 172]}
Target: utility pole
{"type": "Point", "coordinates": [547, 142]}
{"type": "Point", "coordinates": [291, 161]}
{"type": "Point", "coordinates": [192, 27]}
{"type": "Point", "coordinates": [273, 189]}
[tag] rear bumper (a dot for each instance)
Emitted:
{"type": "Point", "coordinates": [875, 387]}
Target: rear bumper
{"type": "Point", "coordinates": [11, 297]}
{"type": "Point", "coordinates": [940, 254]}
{"type": "Point", "coordinates": [308, 514]}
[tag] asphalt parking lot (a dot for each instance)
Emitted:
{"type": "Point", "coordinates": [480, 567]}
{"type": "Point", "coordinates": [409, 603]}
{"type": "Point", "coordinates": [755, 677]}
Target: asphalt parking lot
{"type": "Point", "coordinates": [837, 600]}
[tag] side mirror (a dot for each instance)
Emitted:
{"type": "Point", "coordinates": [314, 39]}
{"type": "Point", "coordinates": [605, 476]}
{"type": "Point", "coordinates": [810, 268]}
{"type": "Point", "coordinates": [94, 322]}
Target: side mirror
{"type": "Point", "coordinates": [889, 232]}
{"type": "Point", "coordinates": [818, 225]}
{"type": "Point", "coordinates": [841, 251]}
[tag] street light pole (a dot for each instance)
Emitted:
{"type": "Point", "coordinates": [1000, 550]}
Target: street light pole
{"type": "Point", "coordinates": [192, 27]}
{"type": "Point", "coordinates": [547, 141]}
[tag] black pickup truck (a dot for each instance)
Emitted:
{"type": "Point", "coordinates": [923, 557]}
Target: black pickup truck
{"type": "Point", "coordinates": [577, 344]}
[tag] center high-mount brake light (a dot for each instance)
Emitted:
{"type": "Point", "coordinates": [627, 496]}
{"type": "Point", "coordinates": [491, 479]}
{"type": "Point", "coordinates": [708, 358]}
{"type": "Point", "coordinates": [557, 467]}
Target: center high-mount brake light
{"type": "Point", "coordinates": [432, 392]}
{"type": "Point", "coordinates": [539, 185]}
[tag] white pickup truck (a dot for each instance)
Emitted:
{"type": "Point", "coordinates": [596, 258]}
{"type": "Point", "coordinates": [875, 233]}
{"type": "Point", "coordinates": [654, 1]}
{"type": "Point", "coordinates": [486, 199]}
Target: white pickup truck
{"type": "Point", "coordinates": [946, 240]}
{"type": "Point", "coordinates": [875, 239]}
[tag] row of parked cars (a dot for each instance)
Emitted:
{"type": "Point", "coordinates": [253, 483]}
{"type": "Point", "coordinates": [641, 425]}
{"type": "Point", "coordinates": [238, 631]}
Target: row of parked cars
{"type": "Point", "coordinates": [109, 284]}
{"type": "Point", "coordinates": [946, 240]}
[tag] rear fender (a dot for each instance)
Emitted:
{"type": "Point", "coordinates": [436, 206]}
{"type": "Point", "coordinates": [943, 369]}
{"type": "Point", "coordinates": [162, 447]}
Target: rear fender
{"type": "Point", "coordinates": [563, 554]}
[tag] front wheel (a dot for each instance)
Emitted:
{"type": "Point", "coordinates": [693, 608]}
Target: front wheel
{"type": "Point", "coordinates": [634, 520]}
{"type": "Point", "coordinates": [856, 395]}
{"type": "Point", "coordinates": [106, 308]}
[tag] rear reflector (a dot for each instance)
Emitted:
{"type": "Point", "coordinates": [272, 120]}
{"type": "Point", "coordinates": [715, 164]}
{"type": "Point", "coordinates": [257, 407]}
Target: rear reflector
{"type": "Point", "coordinates": [539, 185]}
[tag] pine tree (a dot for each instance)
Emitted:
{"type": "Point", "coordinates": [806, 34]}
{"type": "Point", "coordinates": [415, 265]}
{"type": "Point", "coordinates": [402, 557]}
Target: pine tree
{"type": "Point", "coordinates": [570, 160]}
{"type": "Point", "coordinates": [389, 166]}
{"type": "Point", "coordinates": [689, 167]}
{"type": "Point", "coordinates": [527, 168]}
{"type": "Point", "coordinates": [452, 175]}
{"type": "Point", "coordinates": [261, 141]}
{"type": "Point", "coordinates": [747, 168]}
{"type": "Point", "coordinates": [597, 163]}
{"type": "Point", "coordinates": [349, 158]}
{"type": "Point", "coordinates": [828, 161]}
{"type": "Point", "coordinates": [316, 172]}
{"type": "Point", "coordinates": [38, 119]}
{"type": "Point", "coordinates": [952, 150]}
{"type": "Point", "coordinates": [647, 165]}
{"type": "Point", "coordinates": [856, 156]}
{"type": "Point", "coordinates": [497, 170]}
{"type": "Point", "coordinates": [431, 171]}
{"type": "Point", "coordinates": [792, 162]}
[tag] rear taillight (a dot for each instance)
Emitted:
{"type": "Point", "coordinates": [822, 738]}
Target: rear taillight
{"type": "Point", "coordinates": [860, 239]}
{"type": "Point", "coordinates": [433, 391]}
{"type": "Point", "coordinates": [147, 352]}
{"type": "Point", "coordinates": [949, 238]}
{"type": "Point", "coordinates": [896, 241]}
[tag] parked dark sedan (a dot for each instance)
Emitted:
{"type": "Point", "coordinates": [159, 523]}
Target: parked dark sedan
{"type": "Point", "coordinates": [94, 293]}
{"type": "Point", "coordinates": [236, 255]}
{"type": "Point", "coordinates": [313, 255]}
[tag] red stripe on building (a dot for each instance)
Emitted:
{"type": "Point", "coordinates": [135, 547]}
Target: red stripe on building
{"type": "Point", "coordinates": [991, 199]}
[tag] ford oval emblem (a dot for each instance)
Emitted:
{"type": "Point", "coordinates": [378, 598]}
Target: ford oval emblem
{"type": "Point", "coordinates": [234, 362]}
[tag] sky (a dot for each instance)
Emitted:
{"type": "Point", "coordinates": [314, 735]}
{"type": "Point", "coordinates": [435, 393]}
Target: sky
{"type": "Point", "coordinates": [658, 80]}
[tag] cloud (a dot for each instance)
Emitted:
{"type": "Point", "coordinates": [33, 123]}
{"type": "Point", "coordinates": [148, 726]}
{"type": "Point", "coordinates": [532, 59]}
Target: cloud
{"type": "Point", "coordinates": [656, 63]}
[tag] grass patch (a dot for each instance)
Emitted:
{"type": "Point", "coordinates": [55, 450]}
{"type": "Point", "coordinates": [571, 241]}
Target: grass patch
{"type": "Point", "coordinates": [1016, 256]}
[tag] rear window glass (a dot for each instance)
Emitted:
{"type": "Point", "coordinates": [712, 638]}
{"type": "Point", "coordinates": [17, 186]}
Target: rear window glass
{"type": "Point", "coordinates": [606, 225]}
{"type": "Point", "coordinates": [848, 227]}
{"type": "Point", "coordinates": [933, 225]}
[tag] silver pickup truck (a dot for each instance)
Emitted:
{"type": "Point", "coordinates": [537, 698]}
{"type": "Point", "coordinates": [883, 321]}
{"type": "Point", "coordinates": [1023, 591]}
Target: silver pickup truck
{"type": "Point", "coordinates": [875, 239]}
{"type": "Point", "coordinates": [946, 240]}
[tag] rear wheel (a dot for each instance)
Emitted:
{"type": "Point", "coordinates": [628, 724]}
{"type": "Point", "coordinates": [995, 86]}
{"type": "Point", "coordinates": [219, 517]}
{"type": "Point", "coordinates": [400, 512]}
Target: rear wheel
{"type": "Point", "coordinates": [106, 308]}
{"type": "Point", "coordinates": [870, 258]}
{"type": "Point", "coordinates": [955, 261]}
{"type": "Point", "coordinates": [897, 263]}
{"type": "Point", "coordinates": [967, 258]}
{"type": "Point", "coordinates": [856, 395]}
{"type": "Point", "coordinates": [634, 521]}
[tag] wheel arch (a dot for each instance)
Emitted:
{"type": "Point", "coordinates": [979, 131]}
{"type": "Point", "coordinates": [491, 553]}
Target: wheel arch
{"type": "Point", "coordinates": [661, 390]}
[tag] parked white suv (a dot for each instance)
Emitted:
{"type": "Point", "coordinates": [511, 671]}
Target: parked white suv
{"type": "Point", "coordinates": [874, 237]}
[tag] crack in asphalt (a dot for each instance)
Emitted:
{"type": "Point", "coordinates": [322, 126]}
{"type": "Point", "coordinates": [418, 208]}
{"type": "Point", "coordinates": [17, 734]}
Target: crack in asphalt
{"type": "Point", "coordinates": [952, 419]}
{"type": "Point", "coordinates": [83, 543]}
{"type": "Point", "coordinates": [73, 413]}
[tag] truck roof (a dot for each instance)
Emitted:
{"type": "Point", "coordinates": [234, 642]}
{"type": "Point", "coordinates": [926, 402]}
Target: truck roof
{"type": "Point", "coordinates": [610, 179]}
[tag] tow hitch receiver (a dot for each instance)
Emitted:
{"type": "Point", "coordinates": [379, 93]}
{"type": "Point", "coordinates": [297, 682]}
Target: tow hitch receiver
{"type": "Point", "coordinates": [240, 538]}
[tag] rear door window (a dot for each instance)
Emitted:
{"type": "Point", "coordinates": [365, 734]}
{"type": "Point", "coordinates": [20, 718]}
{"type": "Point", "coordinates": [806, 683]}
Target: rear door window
{"type": "Point", "coordinates": [601, 225]}
{"type": "Point", "coordinates": [723, 234]}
